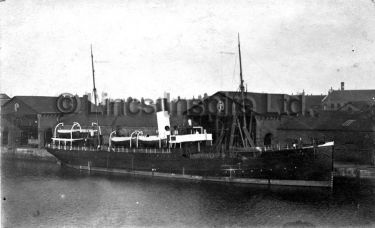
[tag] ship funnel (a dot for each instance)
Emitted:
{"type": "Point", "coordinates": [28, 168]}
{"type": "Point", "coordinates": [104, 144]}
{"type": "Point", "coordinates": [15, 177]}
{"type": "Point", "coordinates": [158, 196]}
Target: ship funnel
{"type": "Point", "coordinates": [162, 115]}
{"type": "Point", "coordinates": [162, 105]}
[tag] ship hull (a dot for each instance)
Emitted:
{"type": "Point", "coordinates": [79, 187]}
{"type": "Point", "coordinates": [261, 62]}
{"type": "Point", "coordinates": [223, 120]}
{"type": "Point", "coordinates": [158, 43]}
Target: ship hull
{"type": "Point", "coordinates": [298, 167]}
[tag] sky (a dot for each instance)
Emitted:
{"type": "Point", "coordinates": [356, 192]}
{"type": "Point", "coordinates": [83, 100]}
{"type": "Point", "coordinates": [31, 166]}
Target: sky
{"type": "Point", "coordinates": [143, 48]}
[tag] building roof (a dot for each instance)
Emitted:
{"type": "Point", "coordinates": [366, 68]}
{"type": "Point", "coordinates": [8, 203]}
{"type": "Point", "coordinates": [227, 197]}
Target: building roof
{"type": "Point", "coordinates": [39, 104]}
{"type": "Point", "coordinates": [234, 96]}
{"type": "Point", "coordinates": [351, 95]}
{"type": "Point", "coordinates": [110, 120]}
{"type": "Point", "coordinates": [3, 99]}
{"type": "Point", "coordinates": [313, 101]}
{"type": "Point", "coordinates": [357, 105]}
{"type": "Point", "coordinates": [4, 96]}
{"type": "Point", "coordinates": [330, 121]}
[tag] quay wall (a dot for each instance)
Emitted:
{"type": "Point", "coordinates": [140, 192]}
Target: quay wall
{"type": "Point", "coordinates": [26, 153]}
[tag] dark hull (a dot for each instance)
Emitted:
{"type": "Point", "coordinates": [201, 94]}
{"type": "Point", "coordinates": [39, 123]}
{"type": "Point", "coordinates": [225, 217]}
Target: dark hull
{"type": "Point", "coordinates": [306, 167]}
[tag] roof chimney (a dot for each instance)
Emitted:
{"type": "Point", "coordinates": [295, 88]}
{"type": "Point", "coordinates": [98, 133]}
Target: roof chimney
{"type": "Point", "coordinates": [342, 85]}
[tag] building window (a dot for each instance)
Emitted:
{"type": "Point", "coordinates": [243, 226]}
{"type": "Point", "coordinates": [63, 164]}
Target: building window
{"type": "Point", "coordinates": [332, 106]}
{"type": "Point", "coordinates": [338, 105]}
{"type": "Point", "coordinates": [4, 138]}
{"type": "Point", "coordinates": [268, 139]}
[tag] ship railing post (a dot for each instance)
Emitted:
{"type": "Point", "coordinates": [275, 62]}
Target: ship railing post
{"type": "Point", "coordinates": [332, 166]}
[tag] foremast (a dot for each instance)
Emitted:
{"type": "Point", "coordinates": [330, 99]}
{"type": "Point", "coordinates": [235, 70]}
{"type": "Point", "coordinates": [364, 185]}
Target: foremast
{"type": "Point", "coordinates": [95, 96]}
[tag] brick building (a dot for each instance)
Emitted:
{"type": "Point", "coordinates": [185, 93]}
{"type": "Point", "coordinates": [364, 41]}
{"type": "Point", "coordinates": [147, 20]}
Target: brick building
{"type": "Point", "coordinates": [263, 110]}
{"type": "Point", "coordinates": [351, 99]}
{"type": "Point", "coordinates": [27, 120]}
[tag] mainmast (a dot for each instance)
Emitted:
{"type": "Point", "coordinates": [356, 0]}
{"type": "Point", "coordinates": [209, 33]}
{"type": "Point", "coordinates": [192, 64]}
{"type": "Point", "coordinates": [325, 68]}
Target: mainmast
{"type": "Point", "coordinates": [93, 76]}
{"type": "Point", "coordinates": [242, 88]}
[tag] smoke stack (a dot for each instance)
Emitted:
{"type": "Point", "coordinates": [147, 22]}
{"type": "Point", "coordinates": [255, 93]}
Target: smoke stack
{"type": "Point", "coordinates": [342, 86]}
{"type": "Point", "coordinates": [162, 117]}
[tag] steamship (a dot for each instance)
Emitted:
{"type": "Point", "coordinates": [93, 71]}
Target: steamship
{"type": "Point", "coordinates": [191, 154]}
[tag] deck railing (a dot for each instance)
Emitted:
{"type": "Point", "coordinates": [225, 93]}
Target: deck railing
{"type": "Point", "coordinates": [113, 149]}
